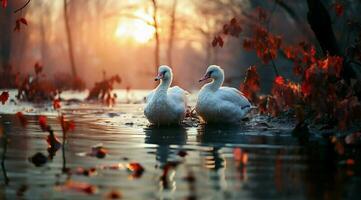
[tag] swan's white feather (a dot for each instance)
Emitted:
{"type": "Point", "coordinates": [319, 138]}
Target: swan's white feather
{"type": "Point", "coordinates": [217, 104]}
{"type": "Point", "coordinates": [165, 106]}
{"type": "Point", "coordinates": [233, 95]}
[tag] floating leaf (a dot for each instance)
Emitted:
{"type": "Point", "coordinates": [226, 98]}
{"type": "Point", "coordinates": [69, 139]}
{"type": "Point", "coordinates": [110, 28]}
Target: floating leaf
{"type": "Point", "coordinates": [99, 152]}
{"type": "Point", "coordinates": [114, 194]}
{"type": "Point", "coordinates": [86, 172]}
{"type": "Point", "coordinates": [136, 169]}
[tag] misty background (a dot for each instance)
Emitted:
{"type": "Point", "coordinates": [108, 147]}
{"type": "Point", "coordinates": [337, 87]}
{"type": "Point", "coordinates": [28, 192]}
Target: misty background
{"type": "Point", "coordinates": [120, 37]}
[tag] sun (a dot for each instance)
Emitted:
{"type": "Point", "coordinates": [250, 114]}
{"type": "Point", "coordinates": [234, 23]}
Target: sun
{"type": "Point", "coordinates": [134, 29]}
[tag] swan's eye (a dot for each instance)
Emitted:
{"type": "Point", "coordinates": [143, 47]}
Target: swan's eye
{"type": "Point", "coordinates": [210, 72]}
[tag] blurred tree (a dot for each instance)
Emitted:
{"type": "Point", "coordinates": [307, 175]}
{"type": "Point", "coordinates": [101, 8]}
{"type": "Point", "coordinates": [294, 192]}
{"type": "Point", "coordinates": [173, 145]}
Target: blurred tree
{"type": "Point", "coordinates": [6, 24]}
{"type": "Point", "coordinates": [157, 40]}
{"type": "Point", "coordinates": [172, 30]}
{"type": "Point", "coordinates": [69, 39]}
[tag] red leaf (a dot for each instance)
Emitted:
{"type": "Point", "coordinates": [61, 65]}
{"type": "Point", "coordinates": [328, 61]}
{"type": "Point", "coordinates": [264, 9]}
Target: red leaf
{"type": "Point", "coordinates": [23, 20]}
{"type": "Point", "coordinates": [18, 22]}
{"type": "Point", "coordinates": [56, 104]}
{"type": "Point", "coordinates": [22, 119]}
{"type": "Point", "coordinates": [43, 123]}
{"type": "Point", "coordinates": [251, 84]}
{"type": "Point", "coordinates": [4, 97]}
{"type": "Point", "coordinates": [306, 89]}
{"type": "Point", "coordinates": [4, 3]}
{"type": "Point", "coordinates": [289, 52]}
{"type": "Point", "coordinates": [279, 80]}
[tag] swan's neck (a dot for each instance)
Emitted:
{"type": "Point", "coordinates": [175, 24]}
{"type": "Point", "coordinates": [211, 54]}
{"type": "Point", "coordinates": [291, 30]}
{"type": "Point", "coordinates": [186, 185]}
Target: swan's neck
{"type": "Point", "coordinates": [215, 84]}
{"type": "Point", "coordinates": [163, 86]}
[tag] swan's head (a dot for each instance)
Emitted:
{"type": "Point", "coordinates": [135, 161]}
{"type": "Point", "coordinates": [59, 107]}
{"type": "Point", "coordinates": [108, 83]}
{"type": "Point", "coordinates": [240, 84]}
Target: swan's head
{"type": "Point", "coordinates": [213, 72]}
{"type": "Point", "coordinates": [164, 73]}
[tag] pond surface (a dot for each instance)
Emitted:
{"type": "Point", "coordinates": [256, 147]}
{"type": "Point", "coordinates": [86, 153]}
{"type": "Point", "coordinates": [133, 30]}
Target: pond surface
{"type": "Point", "coordinates": [207, 158]}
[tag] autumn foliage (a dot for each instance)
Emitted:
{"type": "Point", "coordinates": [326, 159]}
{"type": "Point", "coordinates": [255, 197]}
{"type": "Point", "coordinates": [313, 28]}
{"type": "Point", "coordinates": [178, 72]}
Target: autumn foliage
{"type": "Point", "coordinates": [321, 95]}
{"type": "Point", "coordinates": [36, 88]}
{"type": "Point", "coordinates": [102, 91]}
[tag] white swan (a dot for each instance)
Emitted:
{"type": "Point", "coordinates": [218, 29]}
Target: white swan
{"type": "Point", "coordinates": [216, 104]}
{"type": "Point", "coordinates": [166, 106]}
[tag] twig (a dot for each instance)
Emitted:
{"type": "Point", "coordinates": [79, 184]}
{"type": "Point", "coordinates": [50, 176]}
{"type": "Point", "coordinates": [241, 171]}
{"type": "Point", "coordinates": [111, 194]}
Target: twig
{"type": "Point", "coordinates": [268, 29]}
{"type": "Point", "coordinates": [22, 7]}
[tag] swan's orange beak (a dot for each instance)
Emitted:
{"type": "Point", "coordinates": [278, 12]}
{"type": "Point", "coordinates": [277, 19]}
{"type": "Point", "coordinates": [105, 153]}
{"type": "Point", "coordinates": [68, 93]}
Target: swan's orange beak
{"type": "Point", "coordinates": [159, 77]}
{"type": "Point", "coordinates": [205, 77]}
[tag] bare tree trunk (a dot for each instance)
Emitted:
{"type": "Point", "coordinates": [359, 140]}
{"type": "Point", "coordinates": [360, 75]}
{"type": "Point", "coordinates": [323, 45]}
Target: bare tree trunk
{"type": "Point", "coordinates": [43, 43]}
{"type": "Point", "coordinates": [172, 32]}
{"type": "Point", "coordinates": [69, 39]}
{"type": "Point", "coordinates": [157, 42]}
{"type": "Point", "coordinates": [6, 34]}
{"type": "Point", "coordinates": [320, 22]}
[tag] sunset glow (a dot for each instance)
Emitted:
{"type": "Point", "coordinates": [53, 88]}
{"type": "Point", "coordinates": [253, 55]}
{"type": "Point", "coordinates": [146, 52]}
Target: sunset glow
{"type": "Point", "coordinates": [134, 29]}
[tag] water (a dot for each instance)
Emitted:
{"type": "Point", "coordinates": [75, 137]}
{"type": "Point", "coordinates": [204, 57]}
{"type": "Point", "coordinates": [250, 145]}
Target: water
{"type": "Point", "coordinates": [277, 168]}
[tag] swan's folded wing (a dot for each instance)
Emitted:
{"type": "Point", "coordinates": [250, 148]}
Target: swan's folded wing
{"type": "Point", "coordinates": [149, 96]}
{"type": "Point", "coordinates": [178, 94]}
{"type": "Point", "coordinates": [234, 96]}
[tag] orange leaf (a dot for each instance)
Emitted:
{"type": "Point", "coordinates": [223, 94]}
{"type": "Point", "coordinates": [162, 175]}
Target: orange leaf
{"type": "Point", "coordinates": [279, 80]}
{"type": "Point", "coordinates": [136, 169]}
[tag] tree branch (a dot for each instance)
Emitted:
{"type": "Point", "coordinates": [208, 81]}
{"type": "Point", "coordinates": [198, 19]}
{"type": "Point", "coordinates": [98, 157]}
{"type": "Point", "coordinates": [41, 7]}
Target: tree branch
{"type": "Point", "coordinates": [22, 7]}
